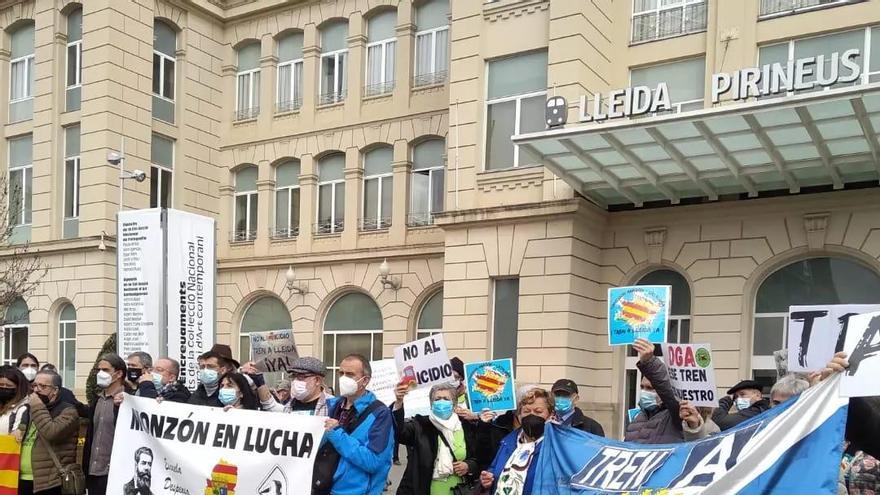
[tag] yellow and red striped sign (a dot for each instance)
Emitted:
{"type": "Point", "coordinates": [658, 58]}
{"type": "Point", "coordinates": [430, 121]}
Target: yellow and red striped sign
{"type": "Point", "coordinates": [10, 460]}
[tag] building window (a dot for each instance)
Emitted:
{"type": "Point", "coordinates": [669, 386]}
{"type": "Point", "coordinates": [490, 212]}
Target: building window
{"type": "Point", "coordinates": [815, 281]}
{"type": "Point", "coordinates": [685, 81]}
{"type": "Point", "coordinates": [21, 74]}
{"type": "Point", "coordinates": [290, 73]}
{"type": "Point", "coordinates": [74, 61]}
{"type": "Point", "coordinates": [505, 318]}
{"type": "Point", "coordinates": [432, 43]}
{"type": "Point", "coordinates": [264, 314]}
{"type": "Point", "coordinates": [67, 345]}
{"type": "Point", "coordinates": [784, 7]}
{"type": "Point", "coordinates": [21, 178]}
{"type": "Point", "coordinates": [381, 45]}
{"type": "Point", "coordinates": [517, 93]}
{"type": "Point", "coordinates": [428, 187]}
{"type": "Point", "coordinates": [866, 40]}
{"type": "Point", "coordinates": [430, 316]}
{"type": "Point", "coordinates": [245, 204]}
{"type": "Point", "coordinates": [378, 189]}
{"type": "Point", "coordinates": [353, 326]}
{"type": "Point", "coordinates": [16, 325]}
{"type": "Point", "coordinates": [331, 194]}
{"type": "Point", "coordinates": [334, 56]}
{"type": "Point", "coordinates": [287, 197]}
{"type": "Point", "coordinates": [161, 170]}
{"type": "Point", "coordinates": [71, 182]}
{"type": "Point", "coordinates": [164, 65]}
{"type": "Point", "coordinates": [247, 82]}
{"type": "Point", "coordinates": [657, 19]}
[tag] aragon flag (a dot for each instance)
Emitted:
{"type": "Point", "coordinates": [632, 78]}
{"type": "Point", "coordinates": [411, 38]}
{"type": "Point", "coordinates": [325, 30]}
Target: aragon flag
{"type": "Point", "coordinates": [10, 460]}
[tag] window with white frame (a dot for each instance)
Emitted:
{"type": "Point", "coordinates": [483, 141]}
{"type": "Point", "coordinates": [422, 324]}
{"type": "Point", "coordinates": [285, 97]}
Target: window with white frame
{"type": "Point", "coordinates": [164, 70]}
{"type": "Point", "coordinates": [516, 95]}
{"type": "Point", "coordinates": [785, 7]}
{"type": "Point", "coordinates": [814, 281]}
{"type": "Point", "coordinates": [21, 74]}
{"type": "Point", "coordinates": [16, 326]}
{"type": "Point", "coordinates": [353, 325]}
{"type": "Point", "coordinates": [381, 46]}
{"type": "Point", "coordinates": [378, 189]}
{"type": "Point", "coordinates": [70, 227]}
{"type": "Point", "coordinates": [331, 194]}
{"type": "Point", "coordinates": [290, 73]}
{"type": "Point", "coordinates": [67, 345]}
{"type": "Point", "coordinates": [334, 57]}
{"type": "Point", "coordinates": [287, 198]}
{"type": "Point", "coordinates": [20, 194]}
{"type": "Point", "coordinates": [73, 92]}
{"type": "Point", "coordinates": [247, 82]}
{"type": "Point", "coordinates": [245, 204]}
{"type": "Point", "coordinates": [161, 171]}
{"type": "Point", "coordinates": [430, 319]}
{"type": "Point", "coordinates": [685, 81]}
{"type": "Point", "coordinates": [432, 43]}
{"type": "Point", "coordinates": [427, 181]}
{"type": "Point", "coordinates": [658, 19]}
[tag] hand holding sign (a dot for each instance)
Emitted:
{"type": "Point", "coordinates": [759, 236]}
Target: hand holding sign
{"type": "Point", "coordinates": [645, 350]}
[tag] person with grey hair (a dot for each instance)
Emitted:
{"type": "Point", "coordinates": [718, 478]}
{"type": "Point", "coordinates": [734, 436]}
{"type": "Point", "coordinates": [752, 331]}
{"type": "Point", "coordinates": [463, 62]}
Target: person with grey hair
{"type": "Point", "coordinates": [787, 387]}
{"type": "Point", "coordinates": [138, 363]}
{"type": "Point", "coordinates": [441, 448]}
{"type": "Point", "coordinates": [163, 382]}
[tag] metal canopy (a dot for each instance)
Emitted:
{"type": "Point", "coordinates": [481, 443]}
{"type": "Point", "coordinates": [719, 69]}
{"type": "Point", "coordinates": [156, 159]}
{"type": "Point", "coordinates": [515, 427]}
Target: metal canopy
{"type": "Point", "coordinates": [814, 139]}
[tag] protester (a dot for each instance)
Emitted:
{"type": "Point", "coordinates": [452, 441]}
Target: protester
{"type": "Point", "coordinates": [282, 392]}
{"type": "Point", "coordinates": [65, 393]}
{"type": "Point", "coordinates": [14, 389]}
{"type": "Point", "coordinates": [163, 382]}
{"type": "Point", "coordinates": [307, 388]}
{"type": "Point", "coordinates": [659, 420]}
{"type": "Point", "coordinates": [786, 387]}
{"type": "Point", "coordinates": [103, 412]}
{"type": "Point", "coordinates": [492, 428]}
{"type": "Point", "coordinates": [748, 401]}
{"type": "Point", "coordinates": [360, 429]}
{"type": "Point", "coordinates": [695, 422]}
{"type": "Point", "coordinates": [212, 365]}
{"type": "Point", "coordinates": [441, 449]}
{"type": "Point", "coordinates": [235, 393]}
{"type": "Point", "coordinates": [53, 426]}
{"type": "Point", "coordinates": [138, 364]}
{"type": "Point", "coordinates": [512, 472]}
{"type": "Point", "coordinates": [565, 396]}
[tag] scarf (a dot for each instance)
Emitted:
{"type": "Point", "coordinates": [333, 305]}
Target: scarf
{"type": "Point", "coordinates": [443, 462]}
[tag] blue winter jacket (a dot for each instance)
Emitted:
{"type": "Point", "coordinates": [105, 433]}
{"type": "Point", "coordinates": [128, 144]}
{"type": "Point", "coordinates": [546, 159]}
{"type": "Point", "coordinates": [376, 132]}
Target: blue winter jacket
{"type": "Point", "coordinates": [508, 445]}
{"type": "Point", "coordinates": [365, 454]}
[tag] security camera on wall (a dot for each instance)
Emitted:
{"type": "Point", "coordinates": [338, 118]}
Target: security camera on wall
{"type": "Point", "coordinates": [114, 157]}
{"type": "Point", "coordinates": [139, 175]}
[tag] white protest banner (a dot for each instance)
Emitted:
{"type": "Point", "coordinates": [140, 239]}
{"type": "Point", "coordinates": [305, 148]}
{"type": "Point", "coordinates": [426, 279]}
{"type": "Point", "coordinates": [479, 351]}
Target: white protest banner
{"type": "Point", "coordinates": [190, 288]}
{"type": "Point", "coordinates": [815, 333]}
{"type": "Point", "coordinates": [385, 380]}
{"type": "Point", "coordinates": [273, 351]}
{"type": "Point", "coordinates": [692, 373]}
{"type": "Point", "coordinates": [139, 276]}
{"type": "Point", "coordinates": [425, 361]}
{"type": "Point", "coordinates": [862, 347]}
{"type": "Point", "coordinates": [181, 449]}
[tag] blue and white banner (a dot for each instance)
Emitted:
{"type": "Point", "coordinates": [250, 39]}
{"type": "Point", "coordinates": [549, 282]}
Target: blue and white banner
{"type": "Point", "coordinates": [793, 448]}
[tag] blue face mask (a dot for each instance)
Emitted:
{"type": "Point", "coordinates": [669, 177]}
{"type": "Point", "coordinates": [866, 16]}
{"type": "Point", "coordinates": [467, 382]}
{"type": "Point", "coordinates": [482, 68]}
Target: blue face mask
{"type": "Point", "coordinates": [227, 396]}
{"type": "Point", "coordinates": [564, 405]}
{"type": "Point", "coordinates": [743, 403]}
{"type": "Point", "coordinates": [157, 381]}
{"type": "Point", "coordinates": [208, 377]}
{"type": "Point", "coordinates": [647, 400]}
{"type": "Point", "coordinates": [442, 408]}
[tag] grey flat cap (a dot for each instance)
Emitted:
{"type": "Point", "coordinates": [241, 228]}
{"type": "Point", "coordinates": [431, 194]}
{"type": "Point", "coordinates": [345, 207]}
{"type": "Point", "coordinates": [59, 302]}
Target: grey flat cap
{"type": "Point", "coordinates": [308, 364]}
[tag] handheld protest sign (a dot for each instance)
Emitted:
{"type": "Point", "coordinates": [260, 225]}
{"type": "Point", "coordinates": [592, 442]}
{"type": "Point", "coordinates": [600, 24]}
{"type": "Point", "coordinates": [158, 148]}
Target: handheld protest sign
{"type": "Point", "coordinates": [385, 380]}
{"type": "Point", "coordinates": [638, 312]}
{"type": "Point", "coordinates": [692, 373]}
{"type": "Point", "coordinates": [490, 385]}
{"type": "Point", "coordinates": [815, 333]}
{"type": "Point", "coordinates": [273, 351]}
{"type": "Point", "coordinates": [424, 361]}
{"type": "Point", "coordinates": [862, 347]}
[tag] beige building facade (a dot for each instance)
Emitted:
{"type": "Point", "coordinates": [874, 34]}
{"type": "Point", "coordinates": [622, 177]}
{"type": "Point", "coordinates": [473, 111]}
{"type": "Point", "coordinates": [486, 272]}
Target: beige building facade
{"type": "Point", "coordinates": [329, 137]}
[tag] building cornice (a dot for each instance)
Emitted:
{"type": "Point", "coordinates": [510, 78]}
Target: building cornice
{"type": "Point", "coordinates": [352, 255]}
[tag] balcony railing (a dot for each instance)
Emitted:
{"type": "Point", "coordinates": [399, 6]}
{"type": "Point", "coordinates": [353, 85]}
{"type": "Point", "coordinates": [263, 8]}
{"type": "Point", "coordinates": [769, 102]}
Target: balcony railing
{"type": "Point", "coordinates": [328, 227]}
{"type": "Point", "coordinates": [288, 106]}
{"type": "Point", "coordinates": [242, 235]}
{"type": "Point", "coordinates": [283, 233]}
{"type": "Point", "coordinates": [373, 224]}
{"type": "Point", "coordinates": [778, 7]}
{"type": "Point", "coordinates": [420, 219]}
{"type": "Point", "coordinates": [246, 113]}
{"type": "Point", "coordinates": [378, 89]}
{"type": "Point", "coordinates": [666, 23]}
{"type": "Point", "coordinates": [430, 79]}
{"type": "Point", "coordinates": [331, 97]}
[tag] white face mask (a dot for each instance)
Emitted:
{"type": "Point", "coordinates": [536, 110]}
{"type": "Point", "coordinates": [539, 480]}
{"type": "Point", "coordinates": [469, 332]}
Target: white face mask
{"type": "Point", "coordinates": [300, 390]}
{"type": "Point", "coordinates": [104, 379]}
{"type": "Point", "coordinates": [347, 386]}
{"type": "Point", "coordinates": [29, 373]}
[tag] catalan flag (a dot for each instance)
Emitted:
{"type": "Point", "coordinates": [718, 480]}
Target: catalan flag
{"type": "Point", "coordinates": [10, 460]}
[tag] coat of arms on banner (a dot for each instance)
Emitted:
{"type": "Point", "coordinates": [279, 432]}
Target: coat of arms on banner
{"type": "Point", "coordinates": [223, 479]}
{"type": "Point", "coordinates": [638, 312]}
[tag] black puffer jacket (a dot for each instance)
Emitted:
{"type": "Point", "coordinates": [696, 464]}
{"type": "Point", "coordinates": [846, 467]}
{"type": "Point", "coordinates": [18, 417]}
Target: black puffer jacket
{"type": "Point", "coordinates": [726, 420]}
{"type": "Point", "coordinates": [662, 425]}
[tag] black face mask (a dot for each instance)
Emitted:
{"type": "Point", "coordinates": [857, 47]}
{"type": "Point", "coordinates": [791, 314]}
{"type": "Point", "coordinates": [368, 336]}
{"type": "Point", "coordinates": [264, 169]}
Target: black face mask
{"type": "Point", "coordinates": [44, 398]}
{"type": "Point", "coordinates": [134, 374]}
{"type": "Point", "coordinates": [6, 394]}
{"type": "Point", "coordinates": [533, 426]}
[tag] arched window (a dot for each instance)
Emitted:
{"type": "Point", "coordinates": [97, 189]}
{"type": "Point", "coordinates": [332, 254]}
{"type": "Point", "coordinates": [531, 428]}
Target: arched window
{"type": "Point", "coordinates": [381, 44]}
{"type": "Point", "coordinates": [245, 204]}
{"type": "Point", "coordinates": [74, 60]}
{"type": "Point", "coordinates": [266, 313]}
{"type": "Point", "coordinates": [67, 345]}
{"type": "Point", "coordinates": [353, 325]}
{"type": "Point", "coordinates": [334, 56]}
{"type": "Point", "coordinates": [21, 74]}
{"type": "Point", "coordinates": [432, 42]}
{"type": "Point", "coordinates": [430, 316]}
{"type": "Point", "coordinates": [331, 194]}
{"type": "Point", "coordinates": [164, 70]}
{"type": "Point", "coordinates": [286, 200]}
{"type": "Point", "coordinates": [16, 324]}
{"type": "Point", "coordinates": [378, 189]}
{"type": "Point", "coordinates": [290, 72]}
{"type": "Point", "coordinates": [428, 187]}
{"type": "Point", "coordinates": [810, 281]}
{"type": "Point", "coordinates": [247, 82]}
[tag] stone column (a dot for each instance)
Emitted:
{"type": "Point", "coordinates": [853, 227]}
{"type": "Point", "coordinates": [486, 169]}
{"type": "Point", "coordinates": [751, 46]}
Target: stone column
{"type": "Point", "coordinates": [268, 78]}
{"type": "Point", "coordinates": [401, 166]}
{"type": "Point", "coordinates": [354, 176]}
{"type": "Point", "coordinates": [265, 191]}
{"type": "Point", "coordinates": [403, 70]}
{"type": "Point", "coordinates": [308, 181]}
{"type": "Point", "coordinates": [356, 55]}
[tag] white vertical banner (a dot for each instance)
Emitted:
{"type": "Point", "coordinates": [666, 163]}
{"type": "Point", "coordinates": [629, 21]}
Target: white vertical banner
{"type": "Point", "coordinates": [191, 269]}
{"type": "Point", "coordinates": [139, 304]}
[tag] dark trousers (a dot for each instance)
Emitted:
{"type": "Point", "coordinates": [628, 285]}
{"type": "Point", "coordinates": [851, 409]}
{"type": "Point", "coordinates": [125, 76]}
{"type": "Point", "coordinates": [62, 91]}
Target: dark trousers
{"type": "Point", "coordinates": [26, 487]}
{"type": "Point", "coordinates": [97, 485]}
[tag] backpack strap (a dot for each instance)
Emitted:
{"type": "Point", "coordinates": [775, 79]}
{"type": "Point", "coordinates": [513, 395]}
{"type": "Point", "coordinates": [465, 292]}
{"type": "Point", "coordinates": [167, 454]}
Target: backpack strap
{"type": "Point", "coordinates": [373, 406]}
{"type": "Point", "coordinates": [446, 443]}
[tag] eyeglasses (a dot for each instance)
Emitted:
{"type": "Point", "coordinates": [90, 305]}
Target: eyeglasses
{"type": "Point", "coordinates": [41, 386]}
